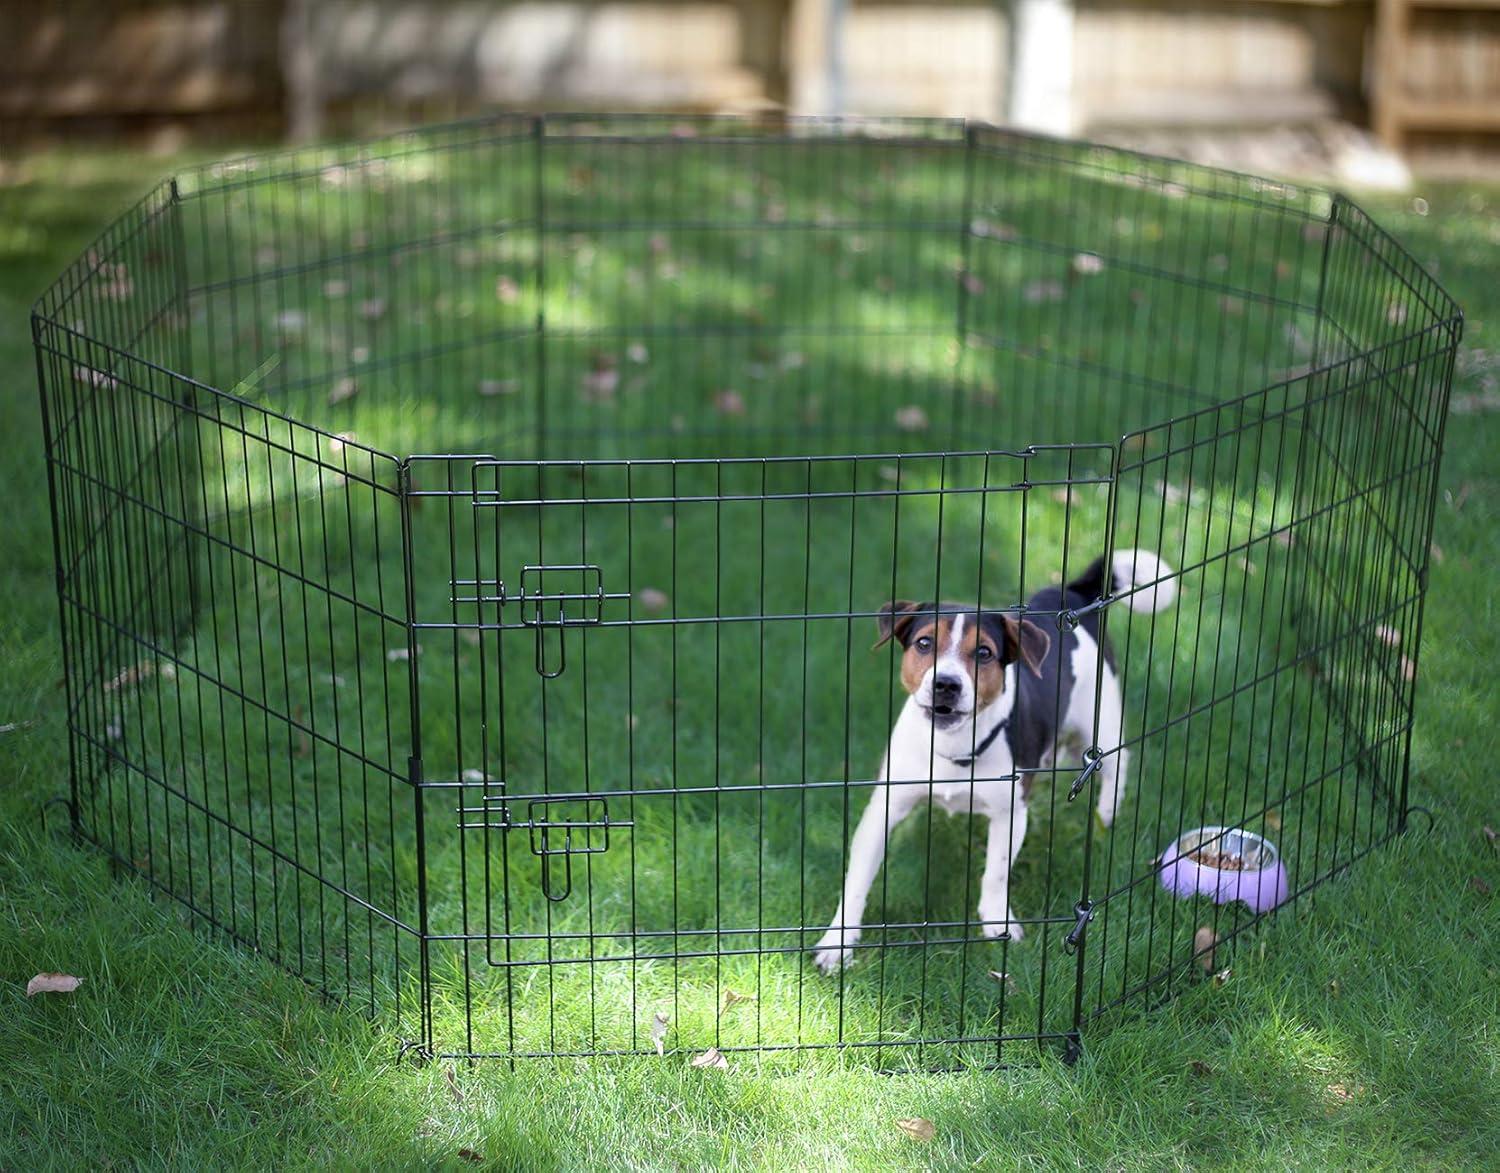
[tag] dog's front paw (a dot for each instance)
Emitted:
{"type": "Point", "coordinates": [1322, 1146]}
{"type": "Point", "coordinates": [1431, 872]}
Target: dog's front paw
{"type": "Point", "coordinates": [834, 951]}
{"type": "Point", "coordinates": [1001, 922]}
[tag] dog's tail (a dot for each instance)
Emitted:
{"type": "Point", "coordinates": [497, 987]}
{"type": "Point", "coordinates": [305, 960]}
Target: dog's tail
{"type": "Point", "coordinates": [1143, 580]}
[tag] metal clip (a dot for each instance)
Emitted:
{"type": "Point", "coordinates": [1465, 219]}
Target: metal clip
{"type": "Point", "coordinates": [1092, 758]}
{"type": "Point", "coordinates": [1085, 912]}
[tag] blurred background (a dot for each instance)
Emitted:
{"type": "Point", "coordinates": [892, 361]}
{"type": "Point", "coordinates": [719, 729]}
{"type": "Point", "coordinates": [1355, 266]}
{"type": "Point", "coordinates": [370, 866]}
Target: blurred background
{"type": "Point", "coordinates": [1344, 89]}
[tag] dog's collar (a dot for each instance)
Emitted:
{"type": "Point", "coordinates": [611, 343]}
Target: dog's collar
{"type": "Point", "coordinates": [989, 740]}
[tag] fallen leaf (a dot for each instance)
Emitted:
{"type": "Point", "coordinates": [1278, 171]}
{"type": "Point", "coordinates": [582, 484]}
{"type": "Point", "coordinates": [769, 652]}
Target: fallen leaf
{"type": "Point", "coordinates": [637, 353]}
{"type": "Point", "coordinates": [1223, 976]}
{"type": "Point", "coordinates": [1334, 989]}
{"type": "Point", "coordinates": [1489, 832]}
{"type": "Point", "coordinates": [1204, 941]}
{"type": "Point", "coordinates": [1087, 264]}
{"type": "Point", "coordinates": [492, 387]}
{"type": "Point", "coordinates": [1437, 552]}
{"type": "Point", "coordinates": [458, 1092]}
{"type": "Point", "coordinates": [731, 1000]}
{"type": "Point", "coordinates": [711, 1058]}
{"type": "Point", "coordinates": [1395, 313]}
{"type": "Point", "coordinates": [372, 308]}
{"type": "Point", "coordinates": [52, 983]}
{"type": "Point", "coordinates": [397, 654]}
{"type": "Point", "coordinates": [652, 599]}
{"type": "Point", "coordinates": [1388, 635]}
{"type": "Point", "coordinates": [132, 675]}
{"type": "Point", "coordinates": [291, 321]}
{"type": "Point", "coordinates": [1408, 669]}
{"type": "Point", "coordinates": [1004, 979]}
{"type": "Point", "coordinates": [972, 283]}
{"type": "Point", "coordinates": [345, 388]}
{"type": "Point", "coordinates": [917, 1128]}
{"type": "Point", "coordinates": [507, 290]}
{"type": "Point", "coordinates": [1044, 289]}
{"type": "Point", "coordinates": [471, 1156]}
{"type": "Point", "coordinates": [1479, 885]}
{"type": "Point", "coordinates": [659, 1026]}
{"type": "Point", "coordinates": [473, 775]}
{"type": "Point", "coordinates": [911, 419]}
{"type": "Point", "coordinates": [335, 287]}
{"type": "Point", "coordinates": [729, 402]}
{"type": "Point", "coordinates": [1273, 820]}
{"type": "Point", "coordinates": [1200, 1068]}
{"type": "Point", "coordinates": [601, 384]}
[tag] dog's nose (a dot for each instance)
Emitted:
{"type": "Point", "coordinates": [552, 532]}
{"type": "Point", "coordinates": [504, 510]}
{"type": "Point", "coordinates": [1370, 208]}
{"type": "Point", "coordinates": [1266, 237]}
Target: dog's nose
{"type": "Point", "coordinates": [947, 687]}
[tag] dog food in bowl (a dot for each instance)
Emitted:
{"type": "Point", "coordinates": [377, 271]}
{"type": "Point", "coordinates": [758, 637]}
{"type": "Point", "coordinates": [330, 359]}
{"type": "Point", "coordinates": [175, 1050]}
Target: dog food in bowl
{"type": "Point", "coordinates": [1225, 864]}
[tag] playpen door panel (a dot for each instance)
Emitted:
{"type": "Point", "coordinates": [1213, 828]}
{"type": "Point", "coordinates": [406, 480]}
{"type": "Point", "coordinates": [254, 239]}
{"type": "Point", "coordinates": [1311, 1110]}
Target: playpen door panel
{"type": "Point", "coordinates": [671, 716]}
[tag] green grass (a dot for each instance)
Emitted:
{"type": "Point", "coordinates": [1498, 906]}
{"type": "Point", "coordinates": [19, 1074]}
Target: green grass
{"type": "Point", "coordinates": [1359, 1031]}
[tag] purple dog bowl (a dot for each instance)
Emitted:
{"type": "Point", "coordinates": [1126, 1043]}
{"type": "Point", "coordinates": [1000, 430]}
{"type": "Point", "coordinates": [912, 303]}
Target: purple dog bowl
{"type": "Point", "coordinates": [1249, 867]}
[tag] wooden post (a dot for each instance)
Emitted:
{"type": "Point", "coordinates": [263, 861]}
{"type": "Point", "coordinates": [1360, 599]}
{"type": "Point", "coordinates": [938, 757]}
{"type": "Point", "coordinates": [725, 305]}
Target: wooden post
{"type": "Point", "coordinates": [812, 40]}
{"type": "Point", "coordinates": [1041, 66]}
{"type": "Point", "coordinates": [300, 74]}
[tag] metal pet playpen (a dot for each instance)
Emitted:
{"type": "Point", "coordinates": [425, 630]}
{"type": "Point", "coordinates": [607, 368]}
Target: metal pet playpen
{"type": "Point", "coordinates": [470, 547]}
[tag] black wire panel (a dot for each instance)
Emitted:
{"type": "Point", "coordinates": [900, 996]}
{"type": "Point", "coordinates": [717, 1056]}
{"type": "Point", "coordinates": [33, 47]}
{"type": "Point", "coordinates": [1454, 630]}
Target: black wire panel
{"type": "Point", "coordinates": [552, 741]}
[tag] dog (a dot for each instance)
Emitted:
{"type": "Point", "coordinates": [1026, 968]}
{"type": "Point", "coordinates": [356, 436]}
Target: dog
{"type": "Point", "coordinates": [990, 695]}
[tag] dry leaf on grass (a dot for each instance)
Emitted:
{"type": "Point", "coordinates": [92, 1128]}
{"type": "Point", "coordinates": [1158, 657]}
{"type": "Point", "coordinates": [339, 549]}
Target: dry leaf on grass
{"type": "Point", "coordinates": [1408, 669]}
{"type": "Point", "coordinates": [729, 402]}
{"type": "Point", "coordinates": [600, 383]}
{"type": "Point", "coordinates": [917, 1128]}
{"type": "Point", "coordinates": [1273, 820]}
{"type": "Point", "coordinates": [712, 1057]}
{"type": "Point", "coordinates": [507, 290]}
{"type": "Point", "coordinates": [731, 1000]}
{"type": "Point", "coordinates": [659, 1026]}
{"type": "Point", "coordinates": [1479, 885]}
{"type": "Point", "coordinates": [1200, 1068]}
{"type": "Point", "coordinates": [652, 599]}
{"type": "Point", "coordinates": [911, 419]}
{"type": "Point", "coordinates": [1087, 264]}
{"type": "Point", "coordinates": [458, 1092]}
{"type": "Point", "coordinates": [471, 1156]}
{"type": "Point", "coordinates": [1204, 941]}
{"type": "Point", "coordinates": [52, 983]}
{"type": "Point", "coordinates": [346, 388]}
{"type": "Point", "coordinates": [492, 387]}
{"type": "Point", "coordinates": [128, 676]}
{"type": "Point", "coordinates": [372, 308]}
{"type": "Point", "coordinates": [1489, 832]}
{"type": "Point", "coordinates": [1223, 976]}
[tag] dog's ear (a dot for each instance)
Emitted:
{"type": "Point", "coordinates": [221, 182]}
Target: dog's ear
{"type": "Point", "coordinates": [895, 621]}
{"type": "Point", "coordinates": [1026, 643]}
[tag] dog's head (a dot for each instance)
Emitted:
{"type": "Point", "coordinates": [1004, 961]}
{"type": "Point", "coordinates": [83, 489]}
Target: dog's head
{"type": "Point", "coordinates": [955, 658]}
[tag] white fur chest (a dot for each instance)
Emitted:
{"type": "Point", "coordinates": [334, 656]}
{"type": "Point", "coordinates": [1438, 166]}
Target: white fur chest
{"type": "Point", "coordinates": [921, 757]}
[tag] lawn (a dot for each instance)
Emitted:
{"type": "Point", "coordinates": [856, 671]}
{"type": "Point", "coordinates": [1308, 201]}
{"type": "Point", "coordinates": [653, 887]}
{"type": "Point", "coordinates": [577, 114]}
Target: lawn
{"type": "Point", "coordinates": [1360, 1030]}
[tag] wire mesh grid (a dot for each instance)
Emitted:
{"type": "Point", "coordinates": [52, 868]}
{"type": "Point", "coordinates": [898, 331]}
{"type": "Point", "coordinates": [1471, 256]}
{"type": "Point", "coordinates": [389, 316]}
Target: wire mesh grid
{"type": "Point", "coordinates": [556, 741]}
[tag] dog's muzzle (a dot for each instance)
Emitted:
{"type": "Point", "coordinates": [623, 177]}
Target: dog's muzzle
{"type": "Point", "coordinates": [945, 711]}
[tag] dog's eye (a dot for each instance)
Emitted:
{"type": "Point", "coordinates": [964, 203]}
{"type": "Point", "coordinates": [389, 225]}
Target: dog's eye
{"type": "Point", "coordinates": [924, 643]}
{"type": "Point", "coordinates": [983, 654]}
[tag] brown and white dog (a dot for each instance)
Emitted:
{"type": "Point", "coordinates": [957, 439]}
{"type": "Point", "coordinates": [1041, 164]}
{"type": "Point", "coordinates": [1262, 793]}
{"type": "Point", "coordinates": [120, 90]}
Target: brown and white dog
{"type": "Point", "coordinates": [990, 694]}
